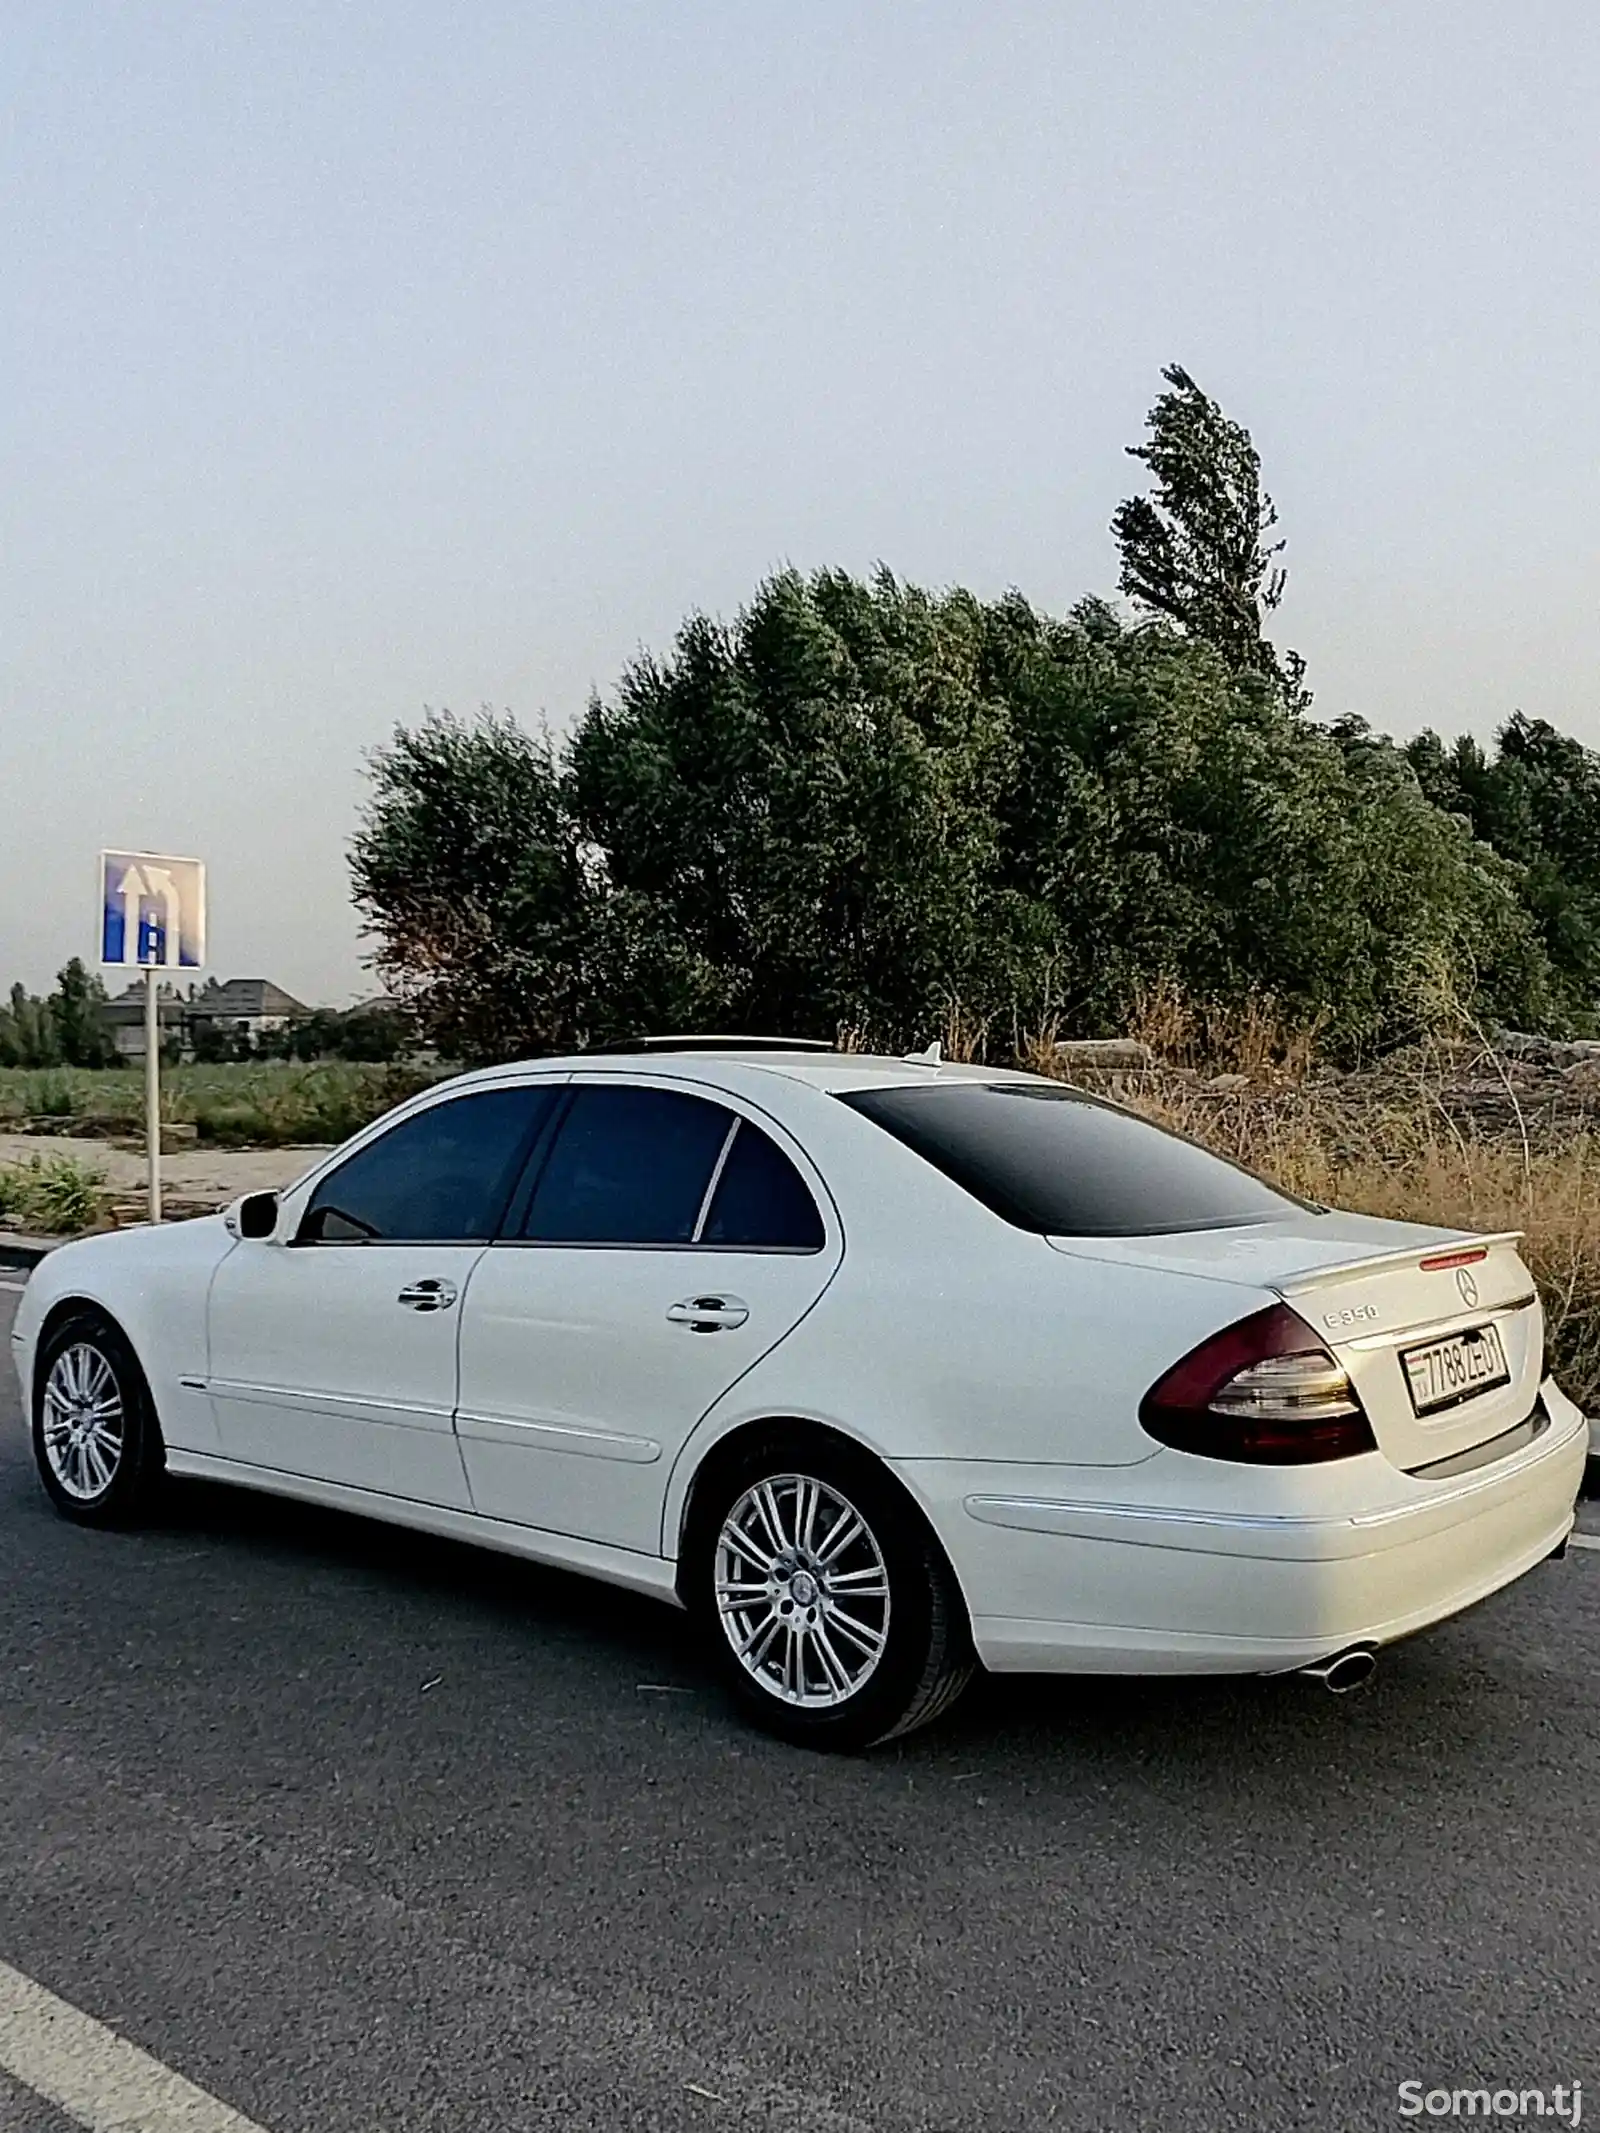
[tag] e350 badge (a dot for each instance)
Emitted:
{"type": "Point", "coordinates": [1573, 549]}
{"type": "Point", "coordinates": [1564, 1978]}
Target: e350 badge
{"type": "Point", "coordinates": [1356, 1315]}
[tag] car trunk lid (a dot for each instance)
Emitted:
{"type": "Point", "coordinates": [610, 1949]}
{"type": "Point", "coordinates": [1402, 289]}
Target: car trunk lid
{"type": "Point", "coordinates": [1445, 1348]}
{"type": "Point", "coordinates": [1440, 1332]}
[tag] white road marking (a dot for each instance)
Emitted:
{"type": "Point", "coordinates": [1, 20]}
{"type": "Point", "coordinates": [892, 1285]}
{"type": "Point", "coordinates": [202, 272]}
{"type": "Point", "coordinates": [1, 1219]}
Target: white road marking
{"type": "Point", "coordinates": [1584, 1540]}
{"type": "Point", "coordinates": [98, 2078]}
{"type": "Point", "coordinates": [19, 1286]}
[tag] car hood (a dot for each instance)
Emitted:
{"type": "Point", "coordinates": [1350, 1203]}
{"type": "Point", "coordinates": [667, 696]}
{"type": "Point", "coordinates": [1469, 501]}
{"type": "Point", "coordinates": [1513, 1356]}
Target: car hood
{"type": "Point", "coordinates": [120, 1254]}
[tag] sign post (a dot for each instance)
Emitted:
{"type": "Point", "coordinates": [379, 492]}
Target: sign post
{"type": "Point", "coordinates": [152, 1089]}
{"type": "Point", "coordinates": [152, 918]}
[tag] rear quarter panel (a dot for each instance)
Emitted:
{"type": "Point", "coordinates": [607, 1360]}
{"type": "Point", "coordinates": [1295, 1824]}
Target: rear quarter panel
{"type": "Point", "coordinates": [1013, 1355]}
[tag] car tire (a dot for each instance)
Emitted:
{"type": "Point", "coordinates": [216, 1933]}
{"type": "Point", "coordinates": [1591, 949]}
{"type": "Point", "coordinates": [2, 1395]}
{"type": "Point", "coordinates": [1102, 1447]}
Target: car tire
{"type": "Point", "coordinates": [96, 1440]}
{"type": "Point", "coordinates": [827, 1633]}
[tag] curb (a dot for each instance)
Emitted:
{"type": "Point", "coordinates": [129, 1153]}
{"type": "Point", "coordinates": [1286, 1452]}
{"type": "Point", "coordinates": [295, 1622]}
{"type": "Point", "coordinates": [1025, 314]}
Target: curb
{"type": "Point", "coordinates": [23, 1252]}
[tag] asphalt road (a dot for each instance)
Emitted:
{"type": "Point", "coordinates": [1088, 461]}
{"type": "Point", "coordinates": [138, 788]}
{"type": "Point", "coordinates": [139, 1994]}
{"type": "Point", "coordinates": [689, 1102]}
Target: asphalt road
{"type": "Point", "coordinates": [358, 1830]}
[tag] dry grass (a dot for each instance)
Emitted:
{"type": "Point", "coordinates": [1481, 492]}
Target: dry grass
{"type": "Point", "coordinates": [964, 1037]}
{"type": "Point", "coordinates": [1393, 1145]}
{"type": "Point", "coordinates": [1395, 1139]}
{"type": "Point", "coordinates": [1255, 1039]}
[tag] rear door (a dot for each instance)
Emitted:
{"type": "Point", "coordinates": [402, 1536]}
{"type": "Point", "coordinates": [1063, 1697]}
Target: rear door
{"type": "Point", "coordinates": [665, 1242]}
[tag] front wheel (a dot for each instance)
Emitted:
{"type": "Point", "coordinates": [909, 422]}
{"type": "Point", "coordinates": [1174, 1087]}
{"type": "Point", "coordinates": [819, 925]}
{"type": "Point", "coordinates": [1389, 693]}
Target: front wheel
{"type": "Point", "coordinates": [95, 1436]}
{"type": "Point", "coordinates": [836, 1619]}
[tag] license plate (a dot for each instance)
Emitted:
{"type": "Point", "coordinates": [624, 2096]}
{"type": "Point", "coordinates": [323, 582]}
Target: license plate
{"type": "Point", "coordinates": [1446, 1372]}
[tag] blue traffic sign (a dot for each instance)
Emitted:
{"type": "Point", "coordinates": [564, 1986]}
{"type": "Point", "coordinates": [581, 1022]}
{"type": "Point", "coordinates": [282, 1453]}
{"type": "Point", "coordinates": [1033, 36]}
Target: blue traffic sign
{"type": "Point", "coordinates": [152, 910]}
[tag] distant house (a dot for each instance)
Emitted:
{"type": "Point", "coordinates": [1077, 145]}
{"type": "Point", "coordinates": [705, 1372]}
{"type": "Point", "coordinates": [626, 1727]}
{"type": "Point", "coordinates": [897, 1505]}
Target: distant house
{"type": "Point", "coordinates": [123, 1016]}
{"type": "Point", "coordinates": [380, 1004]}
{"type": "Point", "coordinates": [243, 1007]}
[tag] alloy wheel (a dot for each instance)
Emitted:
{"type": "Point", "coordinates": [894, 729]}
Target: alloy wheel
{"type": "Point", "coordinates": [84, 1424]}
{"type": "Point", "coordinates": [802, 1591]}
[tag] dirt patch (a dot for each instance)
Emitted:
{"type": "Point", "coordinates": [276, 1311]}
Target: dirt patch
{"type": "Point", "coordinates": [194, 1181]}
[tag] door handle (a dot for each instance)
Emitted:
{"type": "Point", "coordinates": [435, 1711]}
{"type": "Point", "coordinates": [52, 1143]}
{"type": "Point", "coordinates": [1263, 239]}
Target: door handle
{"type": "Point", "coordinates": [709, 1314]}
{"type": "Point", "coordinates": [428, 1295]}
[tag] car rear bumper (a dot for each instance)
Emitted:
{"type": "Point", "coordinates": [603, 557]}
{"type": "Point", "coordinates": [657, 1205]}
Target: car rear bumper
{"type": "Point", "coordinates": [1160, 1568]}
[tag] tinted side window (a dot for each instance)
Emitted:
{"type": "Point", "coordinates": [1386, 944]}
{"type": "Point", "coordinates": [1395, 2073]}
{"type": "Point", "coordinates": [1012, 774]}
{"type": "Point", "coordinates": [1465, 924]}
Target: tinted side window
{"type": "Point", "coordinates": [440, 1177]}
{"type": "Point", "coordinates": [761, 1199]}
{"type": "Point", "coordinates": [1054, 1160]}
{"type": "Point", "coordinates": [629, 1166]}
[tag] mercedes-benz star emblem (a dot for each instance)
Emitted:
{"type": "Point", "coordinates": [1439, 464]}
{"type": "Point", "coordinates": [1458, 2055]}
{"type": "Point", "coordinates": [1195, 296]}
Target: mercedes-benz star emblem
{"type": "Point", "coordinates": [1468, 1288]}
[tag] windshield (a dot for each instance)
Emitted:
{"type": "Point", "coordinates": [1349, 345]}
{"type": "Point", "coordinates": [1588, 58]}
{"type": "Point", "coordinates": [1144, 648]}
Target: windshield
{"type": "Point", "coordinates": [1054, 1160]}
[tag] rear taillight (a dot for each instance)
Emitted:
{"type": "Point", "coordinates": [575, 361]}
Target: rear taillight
{"type": "Point", "coordinates": [1266, 1390]}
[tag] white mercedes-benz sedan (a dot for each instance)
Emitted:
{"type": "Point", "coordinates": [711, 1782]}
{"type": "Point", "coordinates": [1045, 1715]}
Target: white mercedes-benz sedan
{"type": "Point", "coordinates": [883, 1368]}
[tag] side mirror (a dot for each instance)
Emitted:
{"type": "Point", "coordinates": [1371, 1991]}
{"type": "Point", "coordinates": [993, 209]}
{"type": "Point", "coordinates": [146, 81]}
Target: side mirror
{"type": "Point", "coordinates": [254, 1216]}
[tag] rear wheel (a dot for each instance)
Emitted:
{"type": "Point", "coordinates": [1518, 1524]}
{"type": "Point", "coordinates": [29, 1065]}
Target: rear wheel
{"type": "Point", "coordinates": [836, 1622]}
{"type": "Point", "coordinates": [95, 1436]}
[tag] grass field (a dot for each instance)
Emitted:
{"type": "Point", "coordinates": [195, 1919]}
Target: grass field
{"type": "Point", "coordinates": [274, 1104]}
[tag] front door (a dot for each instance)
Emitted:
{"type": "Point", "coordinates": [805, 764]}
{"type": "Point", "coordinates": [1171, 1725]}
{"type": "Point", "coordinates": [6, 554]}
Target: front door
{"type": "Point", "coordinates": [665, 1244]}
{"type": "Point", "coordinates": [333, 1355]}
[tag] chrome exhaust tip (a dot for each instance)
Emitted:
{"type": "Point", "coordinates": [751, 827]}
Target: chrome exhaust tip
{"type": "Point", "coordinates": [1345, 1671]}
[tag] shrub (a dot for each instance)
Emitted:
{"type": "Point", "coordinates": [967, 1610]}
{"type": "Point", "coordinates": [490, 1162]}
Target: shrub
{"type": "Point", "coordinates": [56, 1195]}
{"type": "Point", "coordinates": [51, 1096]}
{"type": "Point", "coordinates": [234, 1124]}
{"type": "Point", "coordinates": [279, 1106]}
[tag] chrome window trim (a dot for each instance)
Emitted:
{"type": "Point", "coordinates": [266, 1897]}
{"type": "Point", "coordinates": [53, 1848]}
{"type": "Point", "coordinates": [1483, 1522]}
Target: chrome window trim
{"type": "Point", "coordinates": [715, 1179]}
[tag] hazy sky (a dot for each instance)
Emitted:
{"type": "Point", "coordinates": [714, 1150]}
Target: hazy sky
{"type": "Point", "coordinates": [362, 357]}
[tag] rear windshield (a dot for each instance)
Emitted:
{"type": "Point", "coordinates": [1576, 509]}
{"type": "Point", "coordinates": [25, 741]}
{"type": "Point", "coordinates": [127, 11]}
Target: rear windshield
{"type": "Point", "coordinates": [1054, 1160]}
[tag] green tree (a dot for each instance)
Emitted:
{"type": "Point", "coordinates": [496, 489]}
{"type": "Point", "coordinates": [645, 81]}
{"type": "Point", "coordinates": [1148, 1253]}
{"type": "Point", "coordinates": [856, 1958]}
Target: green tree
{"type": "Point", "coordinates": [796, 814]}
{"type": "Point", "coordinates": [1177, 821]}
{"type": "Point", "coordinates": [862, 804]}
{"type": "Point", "coordinates": [74, 1009]}
{"type": "Point", "coordinates": [1535, 798]}
{"type": "Point", "coordinates": [375, 1036]}
{"type": "Point", "coordinates": [1198, 551]}
{"type": "Point", "coordinates": [28, 1034]}
{"type": "Point", "coordinates": [471, 875]}
{"type": "Point", "coordinates": [219, 1044]}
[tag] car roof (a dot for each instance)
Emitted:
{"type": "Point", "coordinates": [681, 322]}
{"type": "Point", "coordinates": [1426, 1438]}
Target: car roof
{"type": "Point", "coordinates": [834, 1073]}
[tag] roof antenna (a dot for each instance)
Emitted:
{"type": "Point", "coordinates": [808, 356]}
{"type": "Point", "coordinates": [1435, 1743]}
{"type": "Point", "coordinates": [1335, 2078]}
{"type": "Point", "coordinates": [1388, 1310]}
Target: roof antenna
{"type": "Point", "coordinates": [933, 1056]}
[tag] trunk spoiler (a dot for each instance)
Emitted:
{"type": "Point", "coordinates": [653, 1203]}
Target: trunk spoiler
{"type": "Point", "coordinates": [1380, 1262]}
